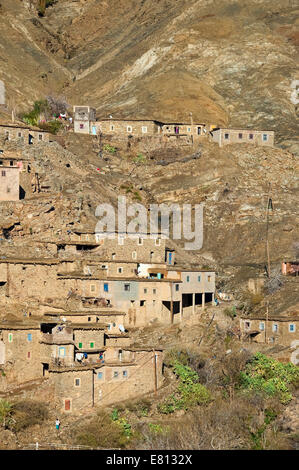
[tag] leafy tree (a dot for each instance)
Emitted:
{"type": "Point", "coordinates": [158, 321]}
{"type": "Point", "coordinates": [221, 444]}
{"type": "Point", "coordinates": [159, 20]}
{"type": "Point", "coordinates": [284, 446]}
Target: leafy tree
{"type": "Point", "coordinates": [6, 409]}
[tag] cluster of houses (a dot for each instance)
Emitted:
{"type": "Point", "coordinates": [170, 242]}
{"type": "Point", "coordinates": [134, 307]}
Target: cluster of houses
{"type": "Point", "coordinates": [82, 354]}
{"type": "Point", "coordinates": [85, 122]}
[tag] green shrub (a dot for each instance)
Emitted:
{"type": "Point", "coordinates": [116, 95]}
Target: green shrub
{"type": "Point", "coordinates": [6, 409]}
{"type": "Point", "coordinates": [266, 375]}
{"type": "Point", "coordinates": [53, 126]}
{"type": "Point", "coordinates": [109, 148]}
{"type": "Point", "coordinates": [189, 392]}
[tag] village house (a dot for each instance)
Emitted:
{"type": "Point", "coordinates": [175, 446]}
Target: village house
{"type": "Point", "coordinates": [273, 329]}
{"type": "Point", "coordinates": [83, 115]}
{"type": "Point", "coordinates": [225, 136]}
{"type": "Point", "coordinates": [9, 180]}
{"type": "Point", "coordinates": [27, 134]}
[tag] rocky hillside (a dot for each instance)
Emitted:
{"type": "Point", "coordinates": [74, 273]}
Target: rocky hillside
{"type": "Point", "coordinates": [225, 61]}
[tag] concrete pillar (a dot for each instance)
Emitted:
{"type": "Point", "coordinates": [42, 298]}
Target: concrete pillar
{"type": "Point", "coordinates": [203, 299]}
{"type": "Point", "coordinates": [213, 298]}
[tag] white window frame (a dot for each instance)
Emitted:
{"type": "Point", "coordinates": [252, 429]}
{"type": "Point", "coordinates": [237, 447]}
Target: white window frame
{"type": "Point", "coordinates": [120, 270]}
{"type": "Point", "coordinates": [140, 241]}
{"type": "Point", "coordinates": [144, 129]}
{"type": "Point", "coordinates": [10, 337]}
{"type": "Point", "coordinates": [134, 254]}
{"type": "Point", "coordinates": [121, 240]}
{"type": "Point", "coordinates": [129, 129]}
{"type": "Point", "coordinates": [93, 288]}
{"type": "Point", "coordinates": [262, 326]}
{"type": "Point", "coordinates": [275, 327]}
{"type": "Point", "coordinates": [111, 127]}
{"type": "Point", "coordinates": [292, 324]}
{"type": "Point", "coordinates": [188, 129]}
{"type": "Point", "coordinates": [266, 139]}
{"type": "Point", "coordinates": [158, 241]}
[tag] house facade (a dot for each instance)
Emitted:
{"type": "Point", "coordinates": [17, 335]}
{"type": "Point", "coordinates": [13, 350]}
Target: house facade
{"type": "Point", "coordinates": [226, 136]}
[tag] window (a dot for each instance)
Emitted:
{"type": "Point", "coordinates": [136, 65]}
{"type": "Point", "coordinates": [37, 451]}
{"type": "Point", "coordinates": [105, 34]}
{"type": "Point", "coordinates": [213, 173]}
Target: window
{"type": "Point", "coordinates": [61, 352]}
{"type": "Point", "coordinates": [142, 303]}
{"type": "Point", "coordinates": [81, 126]}
{"type": "Point", "coordinates": [140, 241]}
{"type": "Point", "coordinates": [80, 345]}
{"type": "Point", "coordinates": [89, 319]}
{"type": "Point", "coordinates": [262, 326]}
{"type": "Point", "coordinates": [275, 327]}
{"type": "Point", "coordinates": [28, 355]}
{"type": "Point", "coordinates": [8, 190]}
{"type": "Point", "coordinates": [92, 288]}
{"type": "Point", "coordinates": [127, 287]}
{"type": "Point", "coordinates": [10, 337]}
{"type": "Point", "coordinates": [188, 129]}
{"type": "Point", "coordinates": [177, 287]}
{"type": "Point", "coordinates": [240, 135]}
{"type": "Point", "coordinates": [77, 382]}
{"type": "Point", "coordinates": [188, 279]}
{"type": "Point", "coordinates": [226, 136]}
{"type": "Point", "coordinates": [120, 240]}
{"type": "Point", "coordinates": [198, 278]}
{"type": "Point", "coordinates": [113, 256]}
{"type": "Point", "coordinates": [40, 136]}
{"type": "Point", "coordinates": [112, 127]}
{"type": "Point", "coordinates": [129, 129]}
{"type": "Point", "coordinates": [247, 324]}
{"type": "Point", "coordinates": [209, 278]}
{"type": "Point", "coordinates": [145, 291]}
{"type": "Point", "coordinates": [125, 374]}
{"type": "Point", "coordinates": [115, 374]}
{"type": "Point", "coordinates": [292, 327]}
{"type": "Point", "coordinates": [106, 287]}
{"type": "Point", "coordinates": [19, 134]}
{"type": "Point", "coordinates": [29, 337]}
{"type": "Point", "coordinates": [100, 375]}
{"type": "Point", "coordinates": [250, 136]}
{"type": "Point", "coordinates": [144, 129]}
{"type": "Point", "coordinates": [157, 241]}
{"type": "Point", "coordinates": [265, 137]}
{"type": "Point", "coordinates": [91, 345]}
{"type": "Point", "coordinates": [154, 291]}
{"type": "Point", "coordinates": [120, 270]}
{"type": "Point", "coordinates": [11, 163]}
{"type": "Point", "coordinates": [134, 255]}
{"type": "Point", "coordinates": [3, 173]}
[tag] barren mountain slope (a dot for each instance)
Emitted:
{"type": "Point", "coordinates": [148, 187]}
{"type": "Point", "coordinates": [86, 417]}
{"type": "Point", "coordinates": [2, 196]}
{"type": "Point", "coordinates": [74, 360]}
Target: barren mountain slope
{"type": "Point", "coordinates": [226, 62]}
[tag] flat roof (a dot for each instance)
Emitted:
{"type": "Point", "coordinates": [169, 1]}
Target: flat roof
{"type": "Point", "coordinates": [80, 313]}
{"type": "Point", "coordinates": [30, 260]}
{"type": "Point", "coordinates": [240, 129]}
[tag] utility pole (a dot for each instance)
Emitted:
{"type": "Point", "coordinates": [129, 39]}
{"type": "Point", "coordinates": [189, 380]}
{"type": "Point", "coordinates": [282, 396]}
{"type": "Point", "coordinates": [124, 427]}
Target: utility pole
{"type": "Point", "coordinates": [269, 206]}
{"type": "Point", "coordinates": [155, 370]}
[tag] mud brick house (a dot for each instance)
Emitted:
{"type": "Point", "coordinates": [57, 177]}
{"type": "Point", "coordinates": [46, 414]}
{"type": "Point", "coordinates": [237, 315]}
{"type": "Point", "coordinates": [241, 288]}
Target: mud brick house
{"type": "Point", "coordinates": [80, 369]}
{"type": "Point", "coordinates": [276, 330]}
{"type": "Point", "coordinates": [122, 127]}
{"type": "Point", "coordinates": [83, 115]}
{"type": "Point", "coordinates": [27, 134]}
{"type": "Point", "coordinates": [9, 180]}
{"type": "Point", "coordinates": [224, 136]}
